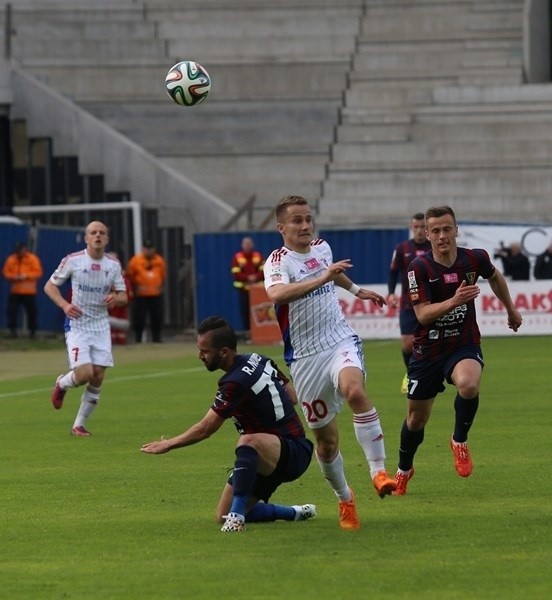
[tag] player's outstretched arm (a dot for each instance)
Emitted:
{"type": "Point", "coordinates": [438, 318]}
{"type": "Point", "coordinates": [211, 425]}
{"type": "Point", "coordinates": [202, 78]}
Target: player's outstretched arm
{"type": "Point", "coordinates": [210, 423]}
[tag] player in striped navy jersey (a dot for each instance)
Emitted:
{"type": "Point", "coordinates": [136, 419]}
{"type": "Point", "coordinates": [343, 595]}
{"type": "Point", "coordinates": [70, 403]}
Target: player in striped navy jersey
{"type": "Point", "coordinates": [272, 447]}
{"type": "Point", "coordinates": [323, 352]}
{"type": "Point", "coordinates": [97, 285]}
{"type": "Point", "coordinates": [403, 255]}
{"type": "Point", "coordinates": [442, 288]}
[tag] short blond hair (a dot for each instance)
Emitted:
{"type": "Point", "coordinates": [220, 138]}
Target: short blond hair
{"type": "Point", "coordinates": [287, 201]}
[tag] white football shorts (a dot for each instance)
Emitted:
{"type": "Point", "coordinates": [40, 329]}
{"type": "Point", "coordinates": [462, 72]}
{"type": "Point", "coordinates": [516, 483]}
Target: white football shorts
{"type": "Point", "coordinates": [316, 380]}
{"type": "Point", "coordinates": [89, 348]}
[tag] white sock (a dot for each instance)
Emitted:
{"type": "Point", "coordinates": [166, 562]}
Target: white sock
{"type": "Point", "coordinates": [369, 435]}
{"type": "Point", "coordinates": [89, 399]}
{"type": "Point", "coordinates": [334, 474]}
{"type": "Point", "coordinates": [68, 381]}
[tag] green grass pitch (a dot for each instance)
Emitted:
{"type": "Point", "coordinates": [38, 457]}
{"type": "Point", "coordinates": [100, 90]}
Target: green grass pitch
{"type": "Point", "coordinates": [97, 519]}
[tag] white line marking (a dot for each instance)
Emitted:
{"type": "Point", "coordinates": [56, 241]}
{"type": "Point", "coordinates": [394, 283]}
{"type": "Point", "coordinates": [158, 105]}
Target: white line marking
{"type": "Point", "coordinates": [111, 380]}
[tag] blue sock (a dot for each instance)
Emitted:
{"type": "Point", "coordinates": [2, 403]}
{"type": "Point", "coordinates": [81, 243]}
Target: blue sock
{"type": "Point", "coordinates": [270, 512]}
{"type": "Point", "coordinates": [243, 477]}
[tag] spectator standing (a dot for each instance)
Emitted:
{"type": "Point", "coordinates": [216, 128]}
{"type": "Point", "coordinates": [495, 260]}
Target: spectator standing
{"type": "Point", "coordinates": [271, 449]}
{"type": "Point", "coordinates": [96, 286]}
{"type": "Point", "coordinates": [543, 264]}
{"type": "Point", "coordinates": [515, 263]}
{"type": "Point", "coordinates": [403, 254]}
{"type": "Point", "coordinates": [147, 273]}
{"type": "Point", "coordinates": [22, 269]}
{"type": "Point", "coordinates": [447, 341]}
{"type": "Point", "coordinates": [247, 269]}
{"type": "Point", "coordinates": [323, 353]}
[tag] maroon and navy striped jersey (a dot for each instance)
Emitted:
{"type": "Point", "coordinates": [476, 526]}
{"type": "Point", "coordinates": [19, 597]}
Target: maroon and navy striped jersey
{"type": "Point", "coordinates": [404, 253]}
{"type": "Point", "coordinates": [252, 393]}
{"type": "Point", "coordinates": [429, 281]}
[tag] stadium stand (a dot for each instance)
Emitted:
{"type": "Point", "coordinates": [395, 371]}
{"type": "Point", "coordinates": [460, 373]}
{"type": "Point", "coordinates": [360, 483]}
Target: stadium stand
{"type": "Point", "coordinates": [438, 112]}
{"type": "Point", "coordinates": [372, 108]}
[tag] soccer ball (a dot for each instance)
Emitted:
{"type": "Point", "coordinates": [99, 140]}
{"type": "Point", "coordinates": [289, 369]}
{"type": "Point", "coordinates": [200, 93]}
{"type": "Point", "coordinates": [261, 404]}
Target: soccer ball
{"type": "Point", "coordinates": [188, 83]}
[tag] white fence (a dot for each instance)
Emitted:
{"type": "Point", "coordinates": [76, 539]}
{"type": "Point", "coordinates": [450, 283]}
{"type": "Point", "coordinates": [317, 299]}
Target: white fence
{"type": "Point", "coordinates": [532, 298]}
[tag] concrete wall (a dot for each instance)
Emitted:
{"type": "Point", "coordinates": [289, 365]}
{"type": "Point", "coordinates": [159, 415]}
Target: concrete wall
{"type": "Point", "coordinates": [125, 165]}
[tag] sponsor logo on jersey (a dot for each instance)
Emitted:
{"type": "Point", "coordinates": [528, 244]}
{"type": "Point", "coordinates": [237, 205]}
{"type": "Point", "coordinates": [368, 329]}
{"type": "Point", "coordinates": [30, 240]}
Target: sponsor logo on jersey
{"type": "Point", "coordinates": [96, 267]}
{"type": "Point", "coordinates": [451, 277]}
{"type": "Point", "coordinates": [312, 263]}
{"type": "Point", "coordinates": [89, 288]}
{"type": "Point", "coordinates": [325, 289]}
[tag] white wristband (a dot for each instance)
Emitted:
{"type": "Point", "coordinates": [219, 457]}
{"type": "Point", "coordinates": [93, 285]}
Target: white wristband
{"type": "Point", "coordinates": [354, 289]}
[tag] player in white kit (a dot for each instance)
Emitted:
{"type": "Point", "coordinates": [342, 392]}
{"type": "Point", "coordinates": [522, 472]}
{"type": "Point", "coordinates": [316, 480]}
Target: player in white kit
{"type": "Point", "coordinates": [323, 352]}
{"type": "Point", "coordinates": [97, 285]}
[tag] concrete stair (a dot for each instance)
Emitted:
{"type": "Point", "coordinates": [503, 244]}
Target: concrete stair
{"type": "Point", "coordinates": [393, 100]}
{"type": "Point", "coordinates": [278, 75]}
{"type": "Point", "coordinates": [436, 112]}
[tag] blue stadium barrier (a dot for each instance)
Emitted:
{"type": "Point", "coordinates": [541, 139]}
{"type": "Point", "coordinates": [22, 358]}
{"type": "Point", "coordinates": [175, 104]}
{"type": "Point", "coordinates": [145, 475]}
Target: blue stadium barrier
{"type": "Point", "coordinates": [370, 252]}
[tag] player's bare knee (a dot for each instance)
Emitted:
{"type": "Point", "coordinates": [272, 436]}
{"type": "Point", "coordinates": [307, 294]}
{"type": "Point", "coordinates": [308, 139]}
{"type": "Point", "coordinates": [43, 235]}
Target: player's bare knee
{"type": "Point", "coordinates": [416, 421]}
{"type": "Point", "coordinates": [357, 399]}
{"type": "Point", "coordinates": [83, 374]}
{"type": "Point", "coordinates": [248, 440]}
{"type": "Point", "coordinates": [468, 389]}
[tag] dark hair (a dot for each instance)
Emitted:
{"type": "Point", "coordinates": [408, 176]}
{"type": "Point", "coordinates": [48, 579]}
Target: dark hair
{"type": "Point", "coordinates": [289, 201]}
{"type": "Point", "coordinates": [418, 217]}
{"type": "Point", "coordinates": [222, 335]}
{"type": "Point", "coordinates": [439, 211]}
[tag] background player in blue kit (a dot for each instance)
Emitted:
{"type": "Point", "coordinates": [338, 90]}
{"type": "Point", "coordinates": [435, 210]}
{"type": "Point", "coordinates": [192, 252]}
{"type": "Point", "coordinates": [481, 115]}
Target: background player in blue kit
{"type": "Point", "coordinates": [442, 287]}
{"type": "Point", "coordinates": [405, 252]}
{"type": "Point", "coordinates": [272, 447]}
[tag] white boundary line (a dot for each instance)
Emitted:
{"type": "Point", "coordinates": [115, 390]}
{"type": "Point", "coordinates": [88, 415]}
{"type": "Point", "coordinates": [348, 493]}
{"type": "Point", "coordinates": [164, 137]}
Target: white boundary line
{"type": "Point", "coordinates": [111, 380]}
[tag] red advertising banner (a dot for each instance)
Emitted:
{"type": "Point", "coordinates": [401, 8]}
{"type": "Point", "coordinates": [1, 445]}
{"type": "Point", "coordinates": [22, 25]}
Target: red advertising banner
{"type": "Point", "coordinates": [264, 326]}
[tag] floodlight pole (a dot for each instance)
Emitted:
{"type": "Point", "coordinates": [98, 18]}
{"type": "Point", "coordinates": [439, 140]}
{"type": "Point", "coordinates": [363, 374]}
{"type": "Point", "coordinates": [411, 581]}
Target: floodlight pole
{"type": "Point", "coordinates": [132, 205]}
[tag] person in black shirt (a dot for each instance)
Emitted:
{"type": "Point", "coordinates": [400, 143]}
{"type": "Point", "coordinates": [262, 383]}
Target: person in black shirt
{"type": "Point", "coordinates": [405, 252]}
{"type": "Point", "coordinates": [514, 262]}
{"type": "Point", "coordinates": [272, 447]}
{"type": "Point", "coordinates": [543, 264]}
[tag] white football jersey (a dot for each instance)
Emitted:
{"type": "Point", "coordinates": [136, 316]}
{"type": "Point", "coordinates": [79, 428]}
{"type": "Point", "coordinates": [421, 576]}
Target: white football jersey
{"type": "Point", "coordinates": [316, 321]}
{"type": "Point", "coordinates": [91, 281]}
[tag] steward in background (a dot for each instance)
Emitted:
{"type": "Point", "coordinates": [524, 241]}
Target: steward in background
{"type": "Point", "coordinates": [247, 269]}
{"type": "Point", "coordinates": [147, 272]}
{"type": "Point", "coordinates": [22, 269]}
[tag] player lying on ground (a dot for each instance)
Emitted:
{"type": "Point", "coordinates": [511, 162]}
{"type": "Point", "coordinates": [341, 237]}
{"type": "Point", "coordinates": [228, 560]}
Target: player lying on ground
{"type": "Point", "coordinates": [272, 447]}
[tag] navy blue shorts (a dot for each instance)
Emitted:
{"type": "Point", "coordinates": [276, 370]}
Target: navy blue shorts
{"type": "Point", "coordinates": [407, 321]}
{"type": "Point", "coordinates": [426, 377]}
{"type": "Point", "coordinates": [295, 458]}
